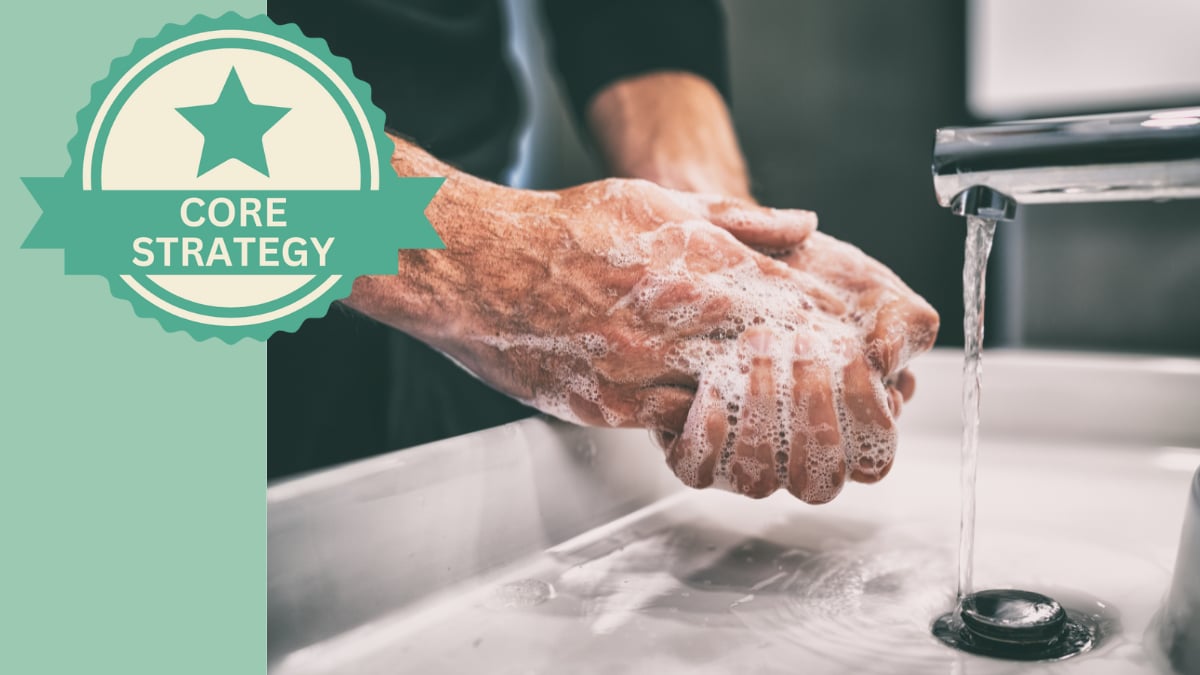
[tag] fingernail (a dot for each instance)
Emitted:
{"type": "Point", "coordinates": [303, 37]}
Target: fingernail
{"type": "Point", "coordinates": [804, 344]}
{"type": "Point", "coordinates": [758, 342]}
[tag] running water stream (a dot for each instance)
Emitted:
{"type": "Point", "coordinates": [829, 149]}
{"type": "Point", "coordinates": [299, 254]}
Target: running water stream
{"type": "Point", "coordinates": [979, 246]}
{"type": "Point", "coordinates": [1002, 623]}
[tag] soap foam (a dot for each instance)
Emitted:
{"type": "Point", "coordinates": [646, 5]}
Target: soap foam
{"type": "Point", "coordinates": [734, 323]}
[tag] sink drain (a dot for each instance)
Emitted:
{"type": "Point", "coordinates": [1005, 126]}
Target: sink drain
{"type": "Point", "coordinates": [1016, 625]}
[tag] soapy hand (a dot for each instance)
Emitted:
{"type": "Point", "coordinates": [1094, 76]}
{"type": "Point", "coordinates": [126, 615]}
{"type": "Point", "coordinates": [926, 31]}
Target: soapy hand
{"type": "Point", "coordinates": [832, 391]}
{"type": "Point", "coordinates": [905, 325]}
{"type": "Point", "coordinates": [621, 303]}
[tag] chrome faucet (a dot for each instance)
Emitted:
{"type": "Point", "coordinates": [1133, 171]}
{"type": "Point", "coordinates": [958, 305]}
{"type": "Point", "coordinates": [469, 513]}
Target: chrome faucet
{"type": "Point", "coordinates": [988, 170]}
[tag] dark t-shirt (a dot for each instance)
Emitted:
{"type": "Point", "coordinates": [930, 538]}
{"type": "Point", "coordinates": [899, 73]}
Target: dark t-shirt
{"type": "Point", "coordinates": [345, 387]}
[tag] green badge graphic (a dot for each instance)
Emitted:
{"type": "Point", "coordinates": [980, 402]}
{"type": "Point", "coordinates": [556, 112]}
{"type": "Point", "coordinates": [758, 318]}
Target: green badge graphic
{"type": "Point", "coordinates": [230, 178]}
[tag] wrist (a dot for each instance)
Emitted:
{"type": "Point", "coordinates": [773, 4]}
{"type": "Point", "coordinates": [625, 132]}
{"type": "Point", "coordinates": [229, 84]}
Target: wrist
{"type": "Point", "coordinates": [672, 128]}
{"type": "Point", "coordinates": [709, 176]}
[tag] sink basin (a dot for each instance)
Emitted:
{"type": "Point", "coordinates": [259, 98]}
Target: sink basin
{"type": "Point", "coordinates": [539, 547]}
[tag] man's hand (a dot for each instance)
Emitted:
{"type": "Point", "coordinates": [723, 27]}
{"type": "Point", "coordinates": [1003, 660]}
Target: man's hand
{"type": "Point", "coordinates": [620, 303]}
{"type": "Point", "coordinates": [902, 319]}
{"type": "Point", "coordinates": [836, 386]}
{"type": "Point", "coordinates": [674, 129]}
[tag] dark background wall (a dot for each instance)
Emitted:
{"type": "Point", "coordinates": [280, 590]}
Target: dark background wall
{"type": "Point", "coordinates": [1109, 277]}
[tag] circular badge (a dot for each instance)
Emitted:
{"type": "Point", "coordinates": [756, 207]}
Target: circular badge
{"type": "Point", "coordinates": [230, 178]}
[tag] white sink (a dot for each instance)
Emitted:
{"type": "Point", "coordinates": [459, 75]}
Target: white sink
{"type": "Point", "coordinates": [542, 548]}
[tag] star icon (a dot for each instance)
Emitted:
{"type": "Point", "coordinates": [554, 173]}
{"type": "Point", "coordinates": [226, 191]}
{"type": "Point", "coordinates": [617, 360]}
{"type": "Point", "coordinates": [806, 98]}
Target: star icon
{"type": "Point", "coordinates": [233, 127]}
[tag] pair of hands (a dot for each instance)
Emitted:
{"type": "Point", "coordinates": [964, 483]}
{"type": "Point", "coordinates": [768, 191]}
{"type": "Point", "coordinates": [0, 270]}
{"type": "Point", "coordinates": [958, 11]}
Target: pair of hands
{"type": "Point", "coordinates": [760, 353]}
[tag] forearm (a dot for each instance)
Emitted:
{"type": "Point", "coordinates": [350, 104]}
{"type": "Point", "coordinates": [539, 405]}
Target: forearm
{"type": "Point", "coordinates": [672, 128]}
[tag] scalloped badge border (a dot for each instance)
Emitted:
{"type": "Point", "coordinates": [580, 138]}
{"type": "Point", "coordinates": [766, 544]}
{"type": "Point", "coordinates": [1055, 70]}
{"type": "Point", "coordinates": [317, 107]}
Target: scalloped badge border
{"type": "Point", "coordinates": [415, 232]}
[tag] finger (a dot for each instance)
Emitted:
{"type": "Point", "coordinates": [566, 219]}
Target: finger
{"type": "Point", "coordinates": [706, 434]}
{"type": "Point", "coordinates": [688, 309]}
{"type": "Point", "coordinates": [903, 329]}
{"type": "Point", "coordinates": [587, 411]}
{"type": "Point", "coordinates": [654, 406]}
{"type": "Point", "coordinates": [767, 229]}
{"type": "Point", "coordinates": [816, 463]}
{"type": "Point", "coordinates": [906, 383]}
{"type": "Point", "coordinates": [684, 308]}
{"type": "Point", "coordinates": [664, 410]}
{"type": "Point", "coordinates": [869, 431]}
{"type": "Point", "coordinates": [639, 360]}
{"type": "Point", "coordinates": [895, 401]}
{"type": "Point", "coordinates": [752, 467]}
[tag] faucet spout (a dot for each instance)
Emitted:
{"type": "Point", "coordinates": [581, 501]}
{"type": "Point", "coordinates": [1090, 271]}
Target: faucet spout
{"type": "Point", "coordinates": [988, 170]}
{"type": "Point", "coordinates": [978, 200]}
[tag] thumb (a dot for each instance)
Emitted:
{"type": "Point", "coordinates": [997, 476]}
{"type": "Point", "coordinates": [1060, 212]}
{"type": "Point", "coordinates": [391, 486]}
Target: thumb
{"type": "Point", "coordinates": [664, 409]}
{"type": "Point", "coordinates": [760, 227]}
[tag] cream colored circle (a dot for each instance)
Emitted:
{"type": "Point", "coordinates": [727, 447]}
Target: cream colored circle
{"type": "Point", "coordinates": [314, 150]}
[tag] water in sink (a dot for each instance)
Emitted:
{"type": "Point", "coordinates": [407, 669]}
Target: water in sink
{"type": "Point", "coordinates": [711, 583]}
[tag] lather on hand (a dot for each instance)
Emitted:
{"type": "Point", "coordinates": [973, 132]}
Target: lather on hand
{"type": "Point", "coordinates": [674, 129]}
{"type": "Point", "coordinates": [621, 303]}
